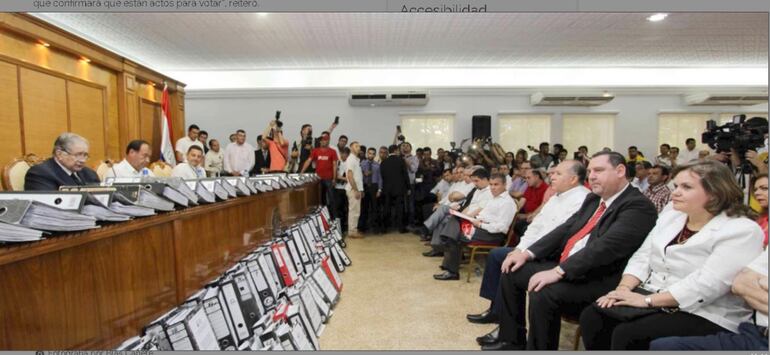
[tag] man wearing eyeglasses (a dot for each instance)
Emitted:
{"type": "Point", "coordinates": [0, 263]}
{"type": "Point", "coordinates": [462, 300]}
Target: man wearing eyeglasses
{"type": "Point", "coordinates": [66, 167]}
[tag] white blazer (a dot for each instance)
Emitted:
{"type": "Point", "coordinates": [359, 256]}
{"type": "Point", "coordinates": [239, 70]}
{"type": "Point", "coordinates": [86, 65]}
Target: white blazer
{"type": "Point", "coordinates": [700, 272]}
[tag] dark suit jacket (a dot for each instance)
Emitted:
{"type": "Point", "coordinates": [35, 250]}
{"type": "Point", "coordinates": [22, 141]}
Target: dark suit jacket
{"type": "Point", "coordinates": [617, 235]}
{"type": "Point", "coordinates": [260, 161]}
{"type": "Point", "coordinates": [48, 176]}
{"type": "Point", "coordinates": [395, 177]}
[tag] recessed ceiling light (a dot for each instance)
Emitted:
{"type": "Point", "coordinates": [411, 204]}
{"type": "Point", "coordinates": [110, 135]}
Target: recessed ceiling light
{"type": "Point", "coordinates": [657, 17]}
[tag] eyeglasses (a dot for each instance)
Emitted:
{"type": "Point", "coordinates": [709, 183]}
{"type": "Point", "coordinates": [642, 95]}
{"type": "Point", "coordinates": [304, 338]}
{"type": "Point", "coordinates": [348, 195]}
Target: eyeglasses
{"type": "Point", "coordinates": [79, 156]}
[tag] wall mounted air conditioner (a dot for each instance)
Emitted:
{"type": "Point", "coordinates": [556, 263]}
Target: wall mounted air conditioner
{"type": "Point", "coordinates": [540, 99]}
{"type": "Point", "coordinates": [404, 98]}
{"type": "Point", "coordinates": [704, 99]}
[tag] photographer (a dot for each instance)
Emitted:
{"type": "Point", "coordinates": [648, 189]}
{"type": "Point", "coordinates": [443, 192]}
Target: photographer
{"type": "Point", "coordinates": [278, 146]}
{"type": "Point", "coordinates": [306, 142]}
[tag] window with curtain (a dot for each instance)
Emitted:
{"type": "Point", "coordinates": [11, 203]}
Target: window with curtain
{"type": "Point", "coordinates": [675, 128]}
{"type": "Point", "coordinates": [428, 130]}
{"type": "Point", "coordinates": [517, 131]}
{"type": "Point", "coordinates": [594, 131]}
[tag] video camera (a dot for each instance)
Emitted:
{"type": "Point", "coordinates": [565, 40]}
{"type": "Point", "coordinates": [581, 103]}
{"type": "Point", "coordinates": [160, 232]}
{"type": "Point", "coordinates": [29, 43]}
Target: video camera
{"type": "Point", "coordinates": [278, 119]}
{"type": "Point", "coordinates": [740, 134]}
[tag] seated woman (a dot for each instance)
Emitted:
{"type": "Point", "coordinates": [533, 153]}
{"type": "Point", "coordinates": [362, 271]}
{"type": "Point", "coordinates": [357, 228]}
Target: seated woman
{"type": "Point", "coordinates": [688, 261]}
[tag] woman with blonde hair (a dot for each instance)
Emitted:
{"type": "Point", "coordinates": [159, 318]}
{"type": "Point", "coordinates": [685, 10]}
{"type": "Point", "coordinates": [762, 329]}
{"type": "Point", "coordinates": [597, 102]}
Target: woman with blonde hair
{"type": "Point", "coordinates": [678, 282]}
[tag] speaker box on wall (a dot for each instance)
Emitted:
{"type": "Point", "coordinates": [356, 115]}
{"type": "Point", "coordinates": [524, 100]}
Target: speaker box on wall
{"type": "Point", "coordinates": [482, 126]}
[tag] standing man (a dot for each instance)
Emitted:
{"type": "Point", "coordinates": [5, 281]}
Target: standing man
{"type": "Point", "coordinates": [543, 158]}
{"type": "Point", "coordinates": [278, 146]}
{"type": "Point", "coordinates": [66, 167]}
{"type": "Point", "coordinates": [183, 144]}
{"type": "Point", "coordinates": [342, 142]}
{"type": "Point", "coordinates": [135, 163]}
{"type": "Point", "coordinates": [239, 156]}
{"type": "Point", "coordinates": [658, 192]}
{"type": "Point", "coordinates": [634, 156]}
{"type": "Point", "coordinates": [261, 158]}
{"type": "Point", "coordinates": [307, 143]}
{"type": "Point", "coordinates": [215, 160]}
{"type": "Point", "coordinates": [412, 164]}
{"type": "Point", "coordinates": [340, 187]}
{"type": "Point", "coordinates": [576, 263]}
{"type": "Point", "coordinates": [372, 183]}
{"type": "Point", "coordinates": [191, 169]}
{"type": "Point", "coordinates": [395, 182]}
{"type": "Point", "coordinates": [203, 137]}
{"type": "Point", "coordinates": [325, 160]}
{"type": "Point", "coordinates": [354, 189]}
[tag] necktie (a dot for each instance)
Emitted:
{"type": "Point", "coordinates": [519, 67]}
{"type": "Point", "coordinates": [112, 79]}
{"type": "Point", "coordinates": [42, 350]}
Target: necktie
{"type": "Point", "coordinates": [77, 179]}
{"type": "Point", "coordinates": [582, 232]}
{"type": "Point", "coordinates": [467, 199]}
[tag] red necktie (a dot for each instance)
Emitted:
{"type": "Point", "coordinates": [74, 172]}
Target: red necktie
{"type": "Point", "coordinates": [582, 232]}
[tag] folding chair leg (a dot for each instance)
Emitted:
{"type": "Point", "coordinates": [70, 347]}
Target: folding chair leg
{"type": "Point", "coordinates": [470, 264]}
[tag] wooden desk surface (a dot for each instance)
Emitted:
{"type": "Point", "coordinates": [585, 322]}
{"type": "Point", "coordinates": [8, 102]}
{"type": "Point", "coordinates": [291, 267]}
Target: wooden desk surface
{"type": "Point", "coordinates": [94, 289]}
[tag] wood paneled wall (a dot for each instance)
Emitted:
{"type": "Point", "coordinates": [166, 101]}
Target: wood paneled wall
{"type": "Point", "coordinates": [45, 91]}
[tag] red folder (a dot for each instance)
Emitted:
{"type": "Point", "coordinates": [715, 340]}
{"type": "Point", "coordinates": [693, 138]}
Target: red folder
{"type": "Point", "coordinates": [279, 251]}
{"type": "Point", "coordinates": [331, 273]}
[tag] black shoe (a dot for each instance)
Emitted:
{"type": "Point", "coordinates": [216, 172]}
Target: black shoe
{"type": "Point", "coordinates": [489, 338]}
{"type": "Point", "coordinates": [485, 317]}
{"type": "Point", "coordinates": [442, 267]}
{"type": "Point", "coordinates": [501, 345]}
{"type": "Point", "coordinates": [446, 275]}
{"type": "Point", "coordinates": [432, 253]}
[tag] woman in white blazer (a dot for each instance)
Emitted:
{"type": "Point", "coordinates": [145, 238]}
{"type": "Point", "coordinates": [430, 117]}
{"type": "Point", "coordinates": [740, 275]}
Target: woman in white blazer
{"type": "Point", "coordinates": [688, 261]}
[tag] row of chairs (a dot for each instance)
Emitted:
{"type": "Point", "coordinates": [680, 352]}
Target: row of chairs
{"type": "Point", "coordinates": [15, 172]}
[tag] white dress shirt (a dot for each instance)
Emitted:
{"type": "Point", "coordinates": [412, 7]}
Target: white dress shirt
{"type": "Point", "coordinates": [686, 156]}
{"type": "Point", "coordinates": [239, 158]}
{"type": "Point", "coordinates": [183, 145]}
{"type": "Point", "coordinates": [215, 162]}
{"type": "Point", "coordinates": [700, 272]}
{"type": "Point", "coordinates": [461, 187]}
{"type": "Point", "coordinates": [353, 164]}
{"type": "Point", "coordinates": [641, 185]}
{"type": "Point", "coordinates": [556, 211]}
{"type": "Point", "coordinates": [498, 213]}
{"type": "Point", "coordinates": [480, 199]}
{"type": "Point", "coordinates": [760, 265]}
{"type": "Point", "coordinates": [187, 171]}
{"type": "Point", "coordinates": [441, 188]}
{"type": "Point", "coordinates": [124, 169]}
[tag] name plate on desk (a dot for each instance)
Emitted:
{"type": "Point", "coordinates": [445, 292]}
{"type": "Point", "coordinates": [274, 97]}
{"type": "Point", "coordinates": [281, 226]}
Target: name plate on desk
{"type": "Point", "coordinates": [69, 201]}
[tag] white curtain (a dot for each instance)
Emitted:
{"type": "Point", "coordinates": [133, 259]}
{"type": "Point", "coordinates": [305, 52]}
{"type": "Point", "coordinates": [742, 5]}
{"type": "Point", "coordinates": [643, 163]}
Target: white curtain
{"type": "Point", "coordinates": [594, 130]}
{"type": "Point", "coordinates": [517, 131]}
{"type": "Point", "coordinates": [675, 128]}
{"type": "Point", "coordinates": [428, 130]}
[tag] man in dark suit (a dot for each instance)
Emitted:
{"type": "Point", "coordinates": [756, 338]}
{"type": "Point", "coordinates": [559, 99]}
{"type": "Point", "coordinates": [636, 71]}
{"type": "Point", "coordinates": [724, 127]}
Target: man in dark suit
{"type": "Point", "coordinates": [576, 263]}
{"type": "Point", "coordinates": [261, 158]}
{"type": "Point", "coordinates": [66, 167]}
{"type": "Point", "coordinates": [395, 184]}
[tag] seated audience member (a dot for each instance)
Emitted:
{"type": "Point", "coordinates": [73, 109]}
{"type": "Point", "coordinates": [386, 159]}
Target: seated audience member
{"type": "Point", "coordinates": [573, 265]}
{"type": "Point", "coordinates": [642, 172]}
{"type": "Point", "coordinates": [261, 158]}
{"type": "Point", "coordinates": [521, 156]}
{"type": "Point", "coordinates": [66, 167]}
{"type": "Point", "coordinates": [190, 169]}
{"type": "Point", "coordinates": [491, 224]}
{"type": "Point", "coordinates": [233, 137]}
{"type": "Point", "coordinates": [215, 160]}
{"type": "Point", "coordinates": [664, 158]}
{"type": "Point", "coordinates": [532, 198]}
{"type": "Point", "coordinates": [519, 180]}
{"type": "Point", "coordinates": [510, 161]}
{"type": "Point", "coordinates": [675, 158]}
{"type": "Point", "coordinates": [634, 156]}
{"type": "Point", "coordinates": [183, 144]}
{"type": "Point", "coordinates": [687, 262]}
{"type": "Point", "coordinates": [462, 190]}
{"type": "Point", "coordinates": [442, 187]}
{"type": "Point", "coordinates": [568, 179]}
{"type": "Point", "coordinates": [503, 169]}
{"type": "Point", "coordinates": [658, 191]}
{"type": "Point", "coordinates": [278, 146]}
{"type": "Point", "coordinates": [239, 156]}
{"type": "Point", "coordinates": [751, 285]}
{"type": "Point", "coordinates": [549, 192]}
{"type": "Point", "coordinates": [138, 153]}
{"type": "Point", "coordinates": [760, 194]}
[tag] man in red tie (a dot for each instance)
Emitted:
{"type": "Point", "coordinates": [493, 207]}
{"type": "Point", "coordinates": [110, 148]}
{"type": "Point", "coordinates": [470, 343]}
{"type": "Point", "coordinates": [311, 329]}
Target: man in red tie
{"type": "Point", "coordinates": [577, 262]}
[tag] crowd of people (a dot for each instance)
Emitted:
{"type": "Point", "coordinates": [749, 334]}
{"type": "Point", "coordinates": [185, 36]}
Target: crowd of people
{"type": "Point", "coordinates": [660, 253]}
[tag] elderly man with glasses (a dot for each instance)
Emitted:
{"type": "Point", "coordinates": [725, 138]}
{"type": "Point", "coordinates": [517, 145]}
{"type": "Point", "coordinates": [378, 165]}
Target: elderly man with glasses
{"type": "Point", "coordinates": [66, 167]}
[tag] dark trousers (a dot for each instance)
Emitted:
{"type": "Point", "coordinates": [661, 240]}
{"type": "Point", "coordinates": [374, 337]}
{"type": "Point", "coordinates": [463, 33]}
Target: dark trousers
{"type": "Point", "coordinates": [368, 218]}
{"type": "Point", "coordinates": [453, 248]}
{"type": "Point", "coordinates": [394, 212]}
{"type": "Point", "coordinates": [327, 196]}
{"type": "Point", "coordinates": [408, 217]}
{"type": "Point", "coordinates": [490, 283]}
{"type": "Point", "coordinates": [545, 307]}
{"type": "Point", "coordinates": [341, 206]}
{"type": "Point", "coordinates": [424, 208]}
{"type": "Point", "coordinates": [749, 337]}
{"type": "Point", "coordinates": [520, 226]}
{"type": "Point", "coordinates": [604, 333]}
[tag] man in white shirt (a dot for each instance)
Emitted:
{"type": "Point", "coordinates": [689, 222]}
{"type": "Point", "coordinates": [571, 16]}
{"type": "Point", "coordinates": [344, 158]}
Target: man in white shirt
{"type": "Point", "coordinates": [191, 169]}
{"type": "Point", "coordinates": [751, 284]}
{"type": "Point", "coordinates": [490, 224]}
{"type": "Point", "coordinates": [239, 156]}
{"type": "Point", "coordinates": [183, 144]}
{"type": "Point", "coordinates": [354, 189]}
{"type": "Point", "coordinates": [689, 153]}
{"type": "Point", "coordinates": [567, 180]}
{"type": "Point", "coordinates": [665, 156]}
{"type": "Point", "coordinates": [642, 171]}
{"type": "Point", "coordinates": [135, 163]}
{"type": "Point", "coordinates": [442, 187]}
{"type": "Point", "coordinates": [215, 159]}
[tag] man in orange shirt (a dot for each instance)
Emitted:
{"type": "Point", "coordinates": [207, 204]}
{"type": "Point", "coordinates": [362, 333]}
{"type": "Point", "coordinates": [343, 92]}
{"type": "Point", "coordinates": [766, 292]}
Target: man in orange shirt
{"type": "Point", "coordinates": [278, 146]}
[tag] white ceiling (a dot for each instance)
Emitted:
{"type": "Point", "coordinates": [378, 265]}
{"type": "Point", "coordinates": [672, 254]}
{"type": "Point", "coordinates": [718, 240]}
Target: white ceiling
{"type": "Point", "coordinates": [248, 41]}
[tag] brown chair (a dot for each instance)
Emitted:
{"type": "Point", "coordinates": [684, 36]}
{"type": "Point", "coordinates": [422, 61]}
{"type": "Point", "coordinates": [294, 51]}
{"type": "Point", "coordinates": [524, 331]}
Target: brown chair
{"type": "Point", "coordinates": [103, 167]}
{"type": "Point", "coordinates": [483, 248]}
{"type": "Point", "coordinates": [15, 172]}
{"type": "Point", "coordinates": [576, 345]}
{"type": "Point", "coordinates": [161, 169]}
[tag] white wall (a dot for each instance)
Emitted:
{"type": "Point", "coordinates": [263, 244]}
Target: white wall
{"type": "Point", "coordinates": [221, 113]}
